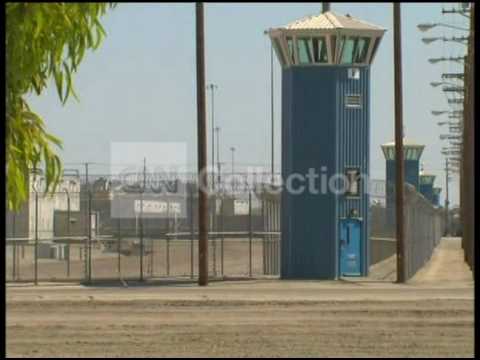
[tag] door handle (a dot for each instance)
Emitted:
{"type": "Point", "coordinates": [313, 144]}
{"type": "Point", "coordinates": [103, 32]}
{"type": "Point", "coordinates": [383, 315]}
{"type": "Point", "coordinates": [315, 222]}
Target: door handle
{"type": "Point", "coordinates": [348, 235]}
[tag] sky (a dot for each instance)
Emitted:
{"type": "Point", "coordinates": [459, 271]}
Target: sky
{"type": "Point", "coordinates": [140, 85]}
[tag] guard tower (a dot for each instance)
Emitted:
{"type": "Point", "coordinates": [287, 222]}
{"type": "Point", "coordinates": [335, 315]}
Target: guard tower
{"type": "Point", "coordinates": [325, 63]}
{"type": "Point", "coordinates": [426, 185]}
{"type": "Point", "coordinates": [411, 155]}
{"type": "Point", "coordinates": [436, 196]}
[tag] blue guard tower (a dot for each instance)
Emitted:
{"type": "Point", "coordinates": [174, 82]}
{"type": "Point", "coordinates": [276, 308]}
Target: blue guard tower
{"type": "Point", "coordinates": [411, 155]}
{"type": "Point", "coordinates": [436, 196]}
{"type": "Point", "coordinates": [325, 63]}
{"type": "Point", "coordinates": [426, 181]}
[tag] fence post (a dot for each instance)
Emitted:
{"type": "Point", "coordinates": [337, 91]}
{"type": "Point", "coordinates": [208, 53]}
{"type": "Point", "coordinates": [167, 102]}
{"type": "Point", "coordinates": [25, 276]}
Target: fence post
{"type": "Point", "coordinates": [168, 238]}
{"type": "Point", "coordinates": [14, 251]}
{"type": "Point", "coordinates": [222, 219]}
{"type": "Point", "coordinates": [263, 236]}
{"type": "Point", "coordinates": [214, 235]}
{"type": "Point", "coordinates": [89, 236]}
{"type": "Point", "coordinates": [249, 233]}
{"type": "Point", "coordinates": [119, 249]}
{"type": "Point", "coordinates": [68, 234]}
{"type": "Point", "coordinates": [152, 252]}
{"type": "Point", "coordinates": [268, 240]}
{"type": "Point", "coordinates": [36, 237]}
{"type": "Point", "coordinates": [191, 230]}
{"type": "Point", "coordinates": [141, 236]}
{"type": "Point", "coordinates": [275, 241]}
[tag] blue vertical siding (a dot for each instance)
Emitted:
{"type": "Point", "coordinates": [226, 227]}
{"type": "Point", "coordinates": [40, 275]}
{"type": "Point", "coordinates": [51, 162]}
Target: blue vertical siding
{"type": "Point", "coordinates": [319, 131]}
{"type": "Point", "coordinates": [353, 148]}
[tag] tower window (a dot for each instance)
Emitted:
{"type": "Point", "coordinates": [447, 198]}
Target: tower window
{"type": "Point", "coordinates": [347, 46]}
{"type": "Point", "coordinates": [353, 101]}
{"type": "Point", "coordinates": [304, 50]}
{"type": "Point", "coordinates": [354, 49]}
{"type": "Point", "coordinates": [320, 50]}
{"type": "Point", "coordinates": [361, 50]}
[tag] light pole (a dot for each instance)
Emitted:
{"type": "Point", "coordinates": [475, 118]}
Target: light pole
{"type": "Point", "coordinates": [232, 149]}
{"type": "Point", "coordinates": [428, 26]}
{"type": "Point", "coordinates": [212, 87]}
{"type": "Point", "coordinates": [399, 155]}
{"type": "Point", "coordinates": [458, 76]}
{"type": "Point", "coordinates": [437, 60]}
{"type": "Point", "coordinates": [438, 83]}
{"type": "Point", "coordinates": [441, 112]}
{"type": "Point", "coordinates": [217, 131]}
{"type": "Point", "coordinates": [326, 6]}
{"type": "Point", "coordinates": [461, 40]}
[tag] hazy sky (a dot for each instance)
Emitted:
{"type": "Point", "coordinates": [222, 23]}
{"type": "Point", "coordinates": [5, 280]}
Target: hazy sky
{"type": "Point", "coordinates": [140, 84]}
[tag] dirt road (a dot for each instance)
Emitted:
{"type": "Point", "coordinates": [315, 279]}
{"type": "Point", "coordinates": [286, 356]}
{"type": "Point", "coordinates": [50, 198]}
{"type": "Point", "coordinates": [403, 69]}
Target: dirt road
{"type": "Point", "coordinates": [430, 316]}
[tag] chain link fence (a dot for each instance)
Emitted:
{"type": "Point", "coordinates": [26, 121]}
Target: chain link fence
{"type": "Point", "coordinates": [424, 228]}
{"type": "Point", "coordinates": [75, 236]}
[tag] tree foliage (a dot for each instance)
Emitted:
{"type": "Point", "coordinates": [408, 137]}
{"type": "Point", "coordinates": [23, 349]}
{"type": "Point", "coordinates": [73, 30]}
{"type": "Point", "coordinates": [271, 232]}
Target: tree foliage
{"type": "Point", "coordinates": [43, 41]}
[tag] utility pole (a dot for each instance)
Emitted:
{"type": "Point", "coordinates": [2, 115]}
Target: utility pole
{"type": "Point", "coordinates": [202, 149]}
{"type": "Point", "coordinates": [272, 108]}
{"type": "Point", "coordinates": [325, 7]}
{"type": "Point", "coordinates": [468, 144]}
{"type": "Point", "coordinates": [399, 164]}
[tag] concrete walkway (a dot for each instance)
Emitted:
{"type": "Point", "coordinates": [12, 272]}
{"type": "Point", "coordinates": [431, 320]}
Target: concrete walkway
{"type": "Point", "coordinates": [446, 267]}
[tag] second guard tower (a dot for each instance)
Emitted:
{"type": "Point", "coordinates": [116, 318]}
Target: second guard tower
{"type": "Point", "coordinates": [411, 154]}
{"type": "Point", "coordinates": [325, 61]}
{"type": "Point", "coordinates": [426, 185]}
{"type": "Point", "coordinates": [436, 196]}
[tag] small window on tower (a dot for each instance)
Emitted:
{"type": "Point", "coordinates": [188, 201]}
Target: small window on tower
{"type": "Point", "coordinates": [304, 50]}
{"type": "Point", "coordinates": [353, 101]}
{"type": "Point", "coordinates": [353, 182]}
{"type": "Point", "coordinates": [320, 50]}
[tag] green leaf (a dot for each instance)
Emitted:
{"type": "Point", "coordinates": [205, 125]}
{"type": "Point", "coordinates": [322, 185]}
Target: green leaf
{"type": "Point", "coordinates": [43, 41]}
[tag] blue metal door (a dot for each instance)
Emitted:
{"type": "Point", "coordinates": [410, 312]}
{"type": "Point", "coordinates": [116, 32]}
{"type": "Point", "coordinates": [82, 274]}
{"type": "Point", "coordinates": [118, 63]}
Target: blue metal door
{"type": "Point", "coordinates": [350, 237]}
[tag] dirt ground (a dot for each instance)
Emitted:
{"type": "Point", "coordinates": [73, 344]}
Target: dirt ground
{"type": "Point", "coordinates": [430, 316]}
